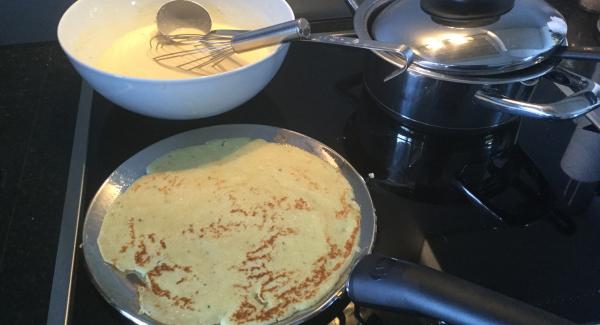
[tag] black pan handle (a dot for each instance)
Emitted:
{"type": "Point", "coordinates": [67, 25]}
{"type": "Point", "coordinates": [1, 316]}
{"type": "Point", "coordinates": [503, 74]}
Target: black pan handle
{"type": "Point", "coordinates": [395, 284]}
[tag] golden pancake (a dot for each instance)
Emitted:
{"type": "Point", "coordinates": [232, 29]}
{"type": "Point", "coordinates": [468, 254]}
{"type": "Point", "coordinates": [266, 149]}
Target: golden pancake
{"type": "Point", "coordinates": [234, 231]}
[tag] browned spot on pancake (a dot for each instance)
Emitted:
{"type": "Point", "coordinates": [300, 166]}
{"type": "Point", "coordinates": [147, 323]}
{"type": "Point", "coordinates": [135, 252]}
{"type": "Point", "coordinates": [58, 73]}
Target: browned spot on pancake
{"type": "Point", "coordinates": [244, 269]}
{"type": "Point", "coordinates": [350, 241]}
{"type": "Point", "coordinates": [141, 255]}
{"type": "Point", "coordinates": [269, 242]}
{"type": "Point", "coordinates": [157, 290]}
{"type": "Point", "coordinates": [346, 207]}
{"type": "Point", "coordinates": [162, 244]}
{"type": "Point", "coordinates": [275, 277]}
{"type": "Point", "coordinates": [280, 200]}
{"type": "Point", "coordinates": [260, 257]}
{"type": "Point", "coordinates": [156, 272]}
{"type": "Point", "coordinates": [244, 311]}
{"type": "Point", "coordinates": [301, 204]}
{"type": "Point", "coordinates": [298, 291]}
{"type": "Point", "coordinates": [159, 270]}
{"type": "Point", "coordinates": [242, 211]}
{"type": "Point", "coordinates": [131, 242]}
{"type": "Point", "coordinates": [217, 229]}
{"type": "Point", "coordinates": [260, 275]}
{"type": "Point", "coordinates": [183, 302]}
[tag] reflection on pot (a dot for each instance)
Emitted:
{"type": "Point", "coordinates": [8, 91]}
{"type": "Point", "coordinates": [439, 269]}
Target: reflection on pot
{"type": "Point", "coordinates": [484, 167]}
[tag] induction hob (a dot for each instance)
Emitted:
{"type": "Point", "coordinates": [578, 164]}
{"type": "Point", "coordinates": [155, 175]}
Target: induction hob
{"type": "Point", "coordinates": [317, 92]}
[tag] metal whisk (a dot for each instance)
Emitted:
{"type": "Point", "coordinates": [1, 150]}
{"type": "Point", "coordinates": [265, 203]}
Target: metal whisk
{"type": "Point", "coordinates": [192, 52]}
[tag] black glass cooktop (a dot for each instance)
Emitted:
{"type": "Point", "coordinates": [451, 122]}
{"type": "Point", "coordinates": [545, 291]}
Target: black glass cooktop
{"type": "Point", "coordinates": [495, 208]}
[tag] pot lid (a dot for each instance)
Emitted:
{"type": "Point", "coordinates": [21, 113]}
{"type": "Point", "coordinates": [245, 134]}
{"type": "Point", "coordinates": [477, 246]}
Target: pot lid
{"type": "Point", "coordinates": [470, 37]}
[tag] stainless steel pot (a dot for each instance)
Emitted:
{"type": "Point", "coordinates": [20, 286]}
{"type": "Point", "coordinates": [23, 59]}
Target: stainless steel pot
{"type": "Point", "coordinates": [471, 72]}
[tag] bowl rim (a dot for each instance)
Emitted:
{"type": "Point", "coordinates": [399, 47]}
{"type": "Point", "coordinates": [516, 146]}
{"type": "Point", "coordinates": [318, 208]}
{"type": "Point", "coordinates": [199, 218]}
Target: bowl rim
{"type": "Point", "coordinates": [280, 48]}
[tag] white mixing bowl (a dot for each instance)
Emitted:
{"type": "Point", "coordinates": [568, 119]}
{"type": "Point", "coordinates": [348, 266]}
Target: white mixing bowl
{"type": "Point", "coordinates": [90, 26]}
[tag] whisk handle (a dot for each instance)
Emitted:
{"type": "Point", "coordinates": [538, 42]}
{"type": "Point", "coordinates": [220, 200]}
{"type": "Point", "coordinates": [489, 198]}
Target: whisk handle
{"type": "Point", "coordinates": [276, 34]}
{"type": "Point", "coordinates": [403, 53]}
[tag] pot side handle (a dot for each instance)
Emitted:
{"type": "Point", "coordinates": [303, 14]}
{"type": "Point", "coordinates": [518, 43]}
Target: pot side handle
{"type": "Point", "coordinates": [585, 98]}
{"type": "Point", "coordinates": [399, 285]}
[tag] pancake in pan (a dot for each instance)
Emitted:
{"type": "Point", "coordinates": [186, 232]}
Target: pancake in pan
{"type": "Point", "coordinates": [234, 231]}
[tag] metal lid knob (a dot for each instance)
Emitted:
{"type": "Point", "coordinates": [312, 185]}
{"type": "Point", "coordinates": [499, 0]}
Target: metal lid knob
{"type": "Point", "coordinates": [466, 9]}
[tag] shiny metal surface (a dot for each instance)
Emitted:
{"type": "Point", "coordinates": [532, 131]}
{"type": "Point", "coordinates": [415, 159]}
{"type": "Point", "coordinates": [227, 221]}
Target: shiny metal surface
{"type": "Point", "coordinates": [536, 71]}
{"type": "Point", "coordinates": [425, 165]}
{"type": "Point", "coordinates": [476, 201]}
{"type": "Point", "coordinates": [120, 290]}
{"type": "Point", "coordinates": [453, 87]}
{"type": "Point", "coordinates": [212, 48]}
{"type": "Point", "coordinates": [60, 306]}
{"type": "Point", "coordinates": [182, 14]}
{"type": "Point", "coordinates": [368, 8]}
{"type": "Point", "coordinates": [594, 117]}
{"type": "Point", "coordinates": [585, 98]}
{"type": "Point", "coordinates": [436, 103]}
{"type": "Point", "coordinates": [353, 4]}
{"type": "Point", "coordinates": [402, 52]}
{"type": "Point", "coordinates": [523, 37]}
{"type": "Point", "coordinates": [276, 34]}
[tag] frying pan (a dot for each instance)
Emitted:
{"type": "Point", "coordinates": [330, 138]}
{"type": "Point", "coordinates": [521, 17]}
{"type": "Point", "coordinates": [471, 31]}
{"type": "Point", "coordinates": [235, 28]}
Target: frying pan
{"type": "Point", "coordinates": [372, 280]}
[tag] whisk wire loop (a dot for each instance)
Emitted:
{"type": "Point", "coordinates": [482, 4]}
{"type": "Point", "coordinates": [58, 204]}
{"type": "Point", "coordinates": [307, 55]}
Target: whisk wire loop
{"type": "Point", "coordinates": [192, 52]}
